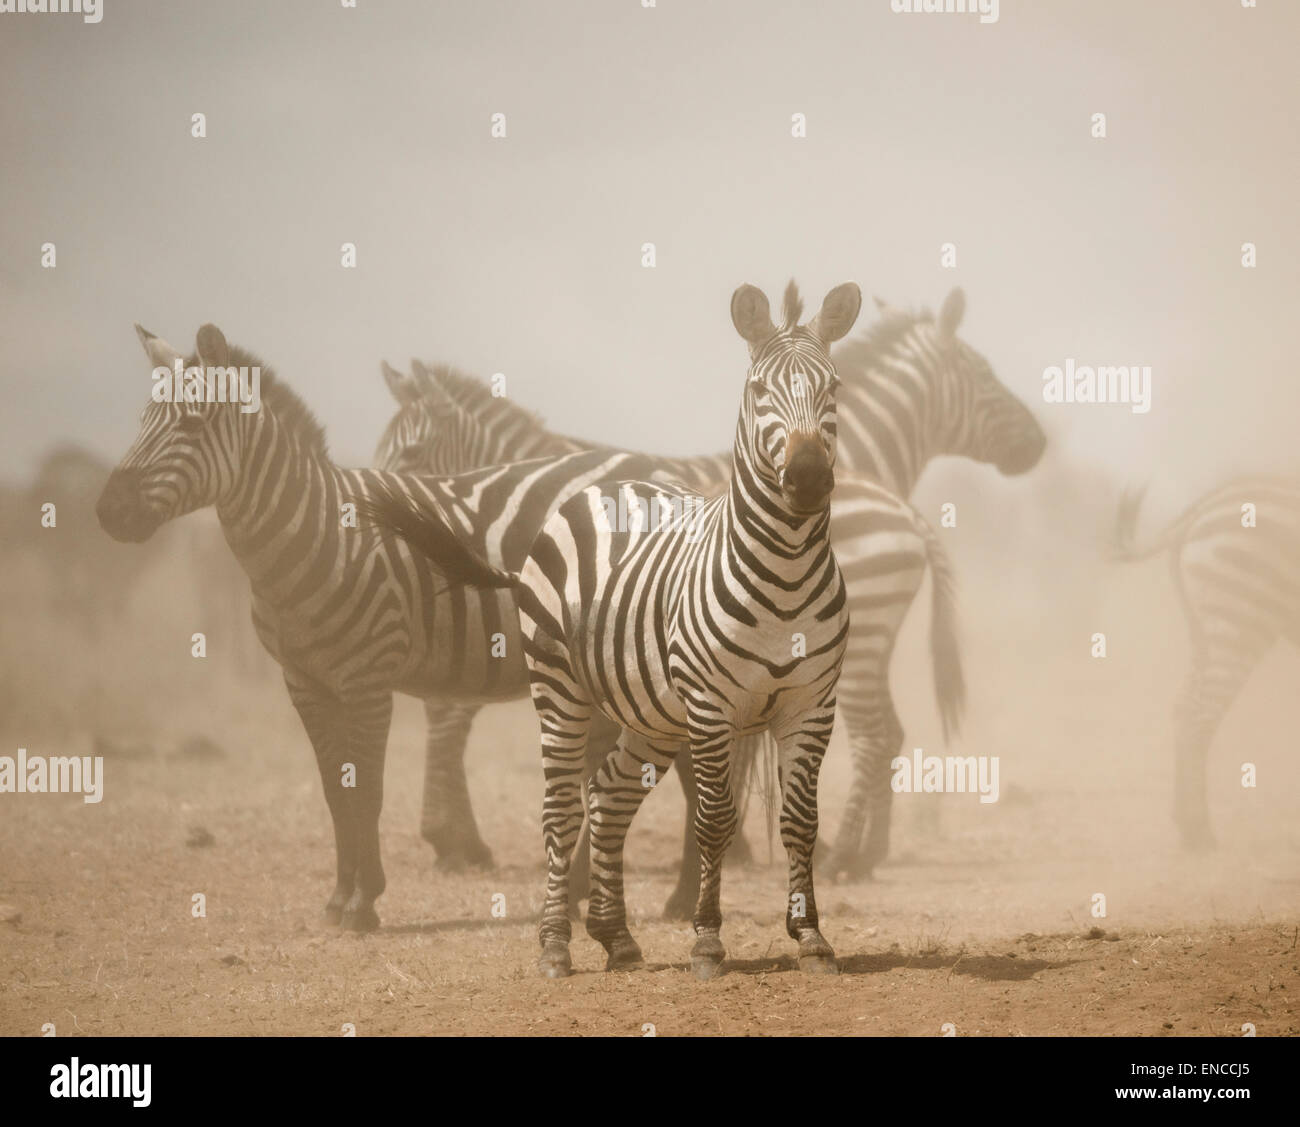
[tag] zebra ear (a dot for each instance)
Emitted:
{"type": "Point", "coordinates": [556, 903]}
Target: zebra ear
{"type": "Point", "coordinates": [400, 385]}
{"type": "Point", "coordinates": [954, 306]}
{"type": "Point", "coordinates": [838, 312]}
{"type": "Point", "coordinates": [432, 388]}
{"type": "Point", "coordinates": [212, 348]}
{"type": "Point", "coordinates": [160, 353]}
{"type": "Point", "coordinates": [752, 315]}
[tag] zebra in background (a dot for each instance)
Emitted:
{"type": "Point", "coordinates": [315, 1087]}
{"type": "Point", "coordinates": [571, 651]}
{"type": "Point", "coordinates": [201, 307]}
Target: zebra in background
{"type": "Point", "coordinates": [350, 615]}
{"type": "Point", "coordinates": [691, 633]}
{"type": "Point", "coordinates": [912, 391]}
{"type": "Point", "coordinates": [882, 545]}
{"type": "Point", "coordinates": [1239, 585]}
{"type": "Point", "coordinates": [448, 423]}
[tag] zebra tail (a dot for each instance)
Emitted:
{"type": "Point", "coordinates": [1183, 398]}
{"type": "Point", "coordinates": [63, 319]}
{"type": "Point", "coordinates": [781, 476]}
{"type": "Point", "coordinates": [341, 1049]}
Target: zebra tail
{"type": "Point", "coordinates": [753, 770]}
{"type": "Point", "coordinates": [397, 515]}
{"type": "Point", "coordinates": [945, 645]}
{"type": "Point", "coordinates": [1123, 547]}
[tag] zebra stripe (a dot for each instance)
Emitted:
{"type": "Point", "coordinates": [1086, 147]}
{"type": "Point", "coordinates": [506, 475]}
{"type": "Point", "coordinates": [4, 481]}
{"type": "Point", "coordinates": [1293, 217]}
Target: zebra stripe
{"type": "Point", "coordinates": [449, 422]}
{"type": "Point", "coordinates": [350, 614]}
{"type": "Point", "coordinates": [683, 636]}
{"type": "Point", "coordinates": [918, 391]}
{"type": "Point", "coordinates": [1240, 592]}
{"type": "Point", "coordinates": [690, 634]}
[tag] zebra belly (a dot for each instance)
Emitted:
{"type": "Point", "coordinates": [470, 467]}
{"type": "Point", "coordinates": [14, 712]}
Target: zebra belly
{"type": "Point", "coordinates": [474, 650]}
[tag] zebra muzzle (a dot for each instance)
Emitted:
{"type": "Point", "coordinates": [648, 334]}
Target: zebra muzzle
{"type": "Point", "coordinates": [807, 477]}
{"type": "Point", "coordinates": [122, 510]}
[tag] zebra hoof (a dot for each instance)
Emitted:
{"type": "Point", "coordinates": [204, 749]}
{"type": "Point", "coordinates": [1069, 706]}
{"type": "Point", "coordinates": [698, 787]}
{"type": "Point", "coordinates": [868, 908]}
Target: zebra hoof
{"type": "Point", "coordinates": [705, 967]}
{"type": "Point", "coordinates": [360, 919]}
{"type": "Point", "coordinates": [555, 961]}
{"type": "Point", "coordinates": [707, 956]}
{"type": "Point", "coordinates": [625, 955]}
{"type": "Point", "coordinates": [816, 955]}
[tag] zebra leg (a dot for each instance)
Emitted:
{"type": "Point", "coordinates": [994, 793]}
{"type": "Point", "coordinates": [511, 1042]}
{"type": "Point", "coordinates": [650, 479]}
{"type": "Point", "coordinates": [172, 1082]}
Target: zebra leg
{"type": "Point", "coordinates": [715, 823]}
{"type": "Point", "coordinates": [447, 816]}
{"type": "Point", "coordinates": [602, 740]}
{"type": "Point", "coordinates": [681, 904]}
{"type": "Point", "coordinates": [368, 723]}
{"type": "Point", "coordinates": [1221, 664]}
{"type": "Point", "coordinates": [875, 738]}
{"type": "Point", "coordinates": [565, 719]}
{"type": "Point", "coordinates": [349, 739]}
{"type": "Point", "coordinates": [744, 755]}
{"type": "Point", "coordinates": [617, 791]}
{"type": "Point", "coordinates": [801, 754]}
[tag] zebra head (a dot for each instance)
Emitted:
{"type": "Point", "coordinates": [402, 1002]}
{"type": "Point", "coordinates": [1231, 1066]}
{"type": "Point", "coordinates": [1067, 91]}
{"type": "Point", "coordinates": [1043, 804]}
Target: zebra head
{"type": "Point", "coordinates": [182, 458]}
{"type": "Point", "coordinates": [974, 412]}
{"type": "Point", "coordinates": [433, 432]}
{"type": "Point", "coordinates": [409, 442]}
{"type": "Point", "coordinates": [786, 437]}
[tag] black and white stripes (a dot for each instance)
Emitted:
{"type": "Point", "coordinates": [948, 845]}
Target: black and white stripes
{"type": "Point", "coordinates": [914, 390]}
{"type": "Point", "coordinates": [351, 615]}
{"type": "Point", "coordinates": [689, 638]}
{"type": "Point", "coordinates": [1235, 560]}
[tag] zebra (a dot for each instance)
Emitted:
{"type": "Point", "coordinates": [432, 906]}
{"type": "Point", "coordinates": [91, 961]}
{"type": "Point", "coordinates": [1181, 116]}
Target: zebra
{"type": "Point", "coordinates": [689, 634]}
{"type": "Point", "coordinates": [447, 419]}
{"type": "Point", "coordinates": [917, 391]}
{"type": "Point", "coordinates": [449, 422]}
{"type": "Point", "coordinates": [349, 613]}
{"type": "Point", "coordinates": [1239, 586]}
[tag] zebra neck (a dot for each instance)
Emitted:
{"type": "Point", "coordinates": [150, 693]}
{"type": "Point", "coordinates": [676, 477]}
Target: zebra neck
{"type": "Point", "coordinates": [706, 474]}
{"type": "Point", "coordinates": [764, 535]}
{"type": "Point", "coordinates": [284, 512]}
{"type": "Point", "coordinates": [545, 445]}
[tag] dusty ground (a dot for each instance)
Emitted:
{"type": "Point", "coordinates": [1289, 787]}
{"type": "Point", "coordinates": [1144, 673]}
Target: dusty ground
{"type": "Point", "coordinates": [984, 926]}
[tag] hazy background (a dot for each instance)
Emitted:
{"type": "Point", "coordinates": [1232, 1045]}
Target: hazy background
{"type": "Point", "coordinates": [669, 125]}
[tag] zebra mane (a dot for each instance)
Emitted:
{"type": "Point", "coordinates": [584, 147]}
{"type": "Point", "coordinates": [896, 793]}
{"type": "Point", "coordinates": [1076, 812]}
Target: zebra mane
{"type": "Point", "coordinates": [883, 335]}
{"type": "Point", "coordinates": [791, 307]}
{"type": "Point", "coordinates": [473, 396]}
{"type": "Point", "coordinates": [284, 403]}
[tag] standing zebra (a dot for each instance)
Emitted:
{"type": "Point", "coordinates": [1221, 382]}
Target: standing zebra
{"type": "Point", "coordinates": [912, 390]}
{"type": "Point", "coordinates": [1239, 584]}
{"type": "Point", "coordinates": [350, 616]}
{"type": "Point", "coordinates": [448, 420]}
{"type": "Point", "coordinates": [449, 423]}
{"type": "Point", "coordinates": [691, 633]}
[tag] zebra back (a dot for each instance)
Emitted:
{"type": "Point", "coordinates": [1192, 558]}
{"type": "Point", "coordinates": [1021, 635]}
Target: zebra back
{"type": "Point", "coordinates": [448, 422]}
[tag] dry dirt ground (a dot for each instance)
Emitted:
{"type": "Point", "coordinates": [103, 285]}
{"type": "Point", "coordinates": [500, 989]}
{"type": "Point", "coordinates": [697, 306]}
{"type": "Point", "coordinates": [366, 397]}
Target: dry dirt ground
{"type": "Point", "coordinates": [983, 924]}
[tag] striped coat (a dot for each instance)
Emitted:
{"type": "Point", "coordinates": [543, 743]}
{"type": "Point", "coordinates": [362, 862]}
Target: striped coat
{"type": "Point", "coordinates": [912, 390]}
{"type": "Point", "coordinates": [1235, 560]}
{"type": "Point", "coordinates": [689, 634]}
{"type": "Point", "coordinates": [351, 615]}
